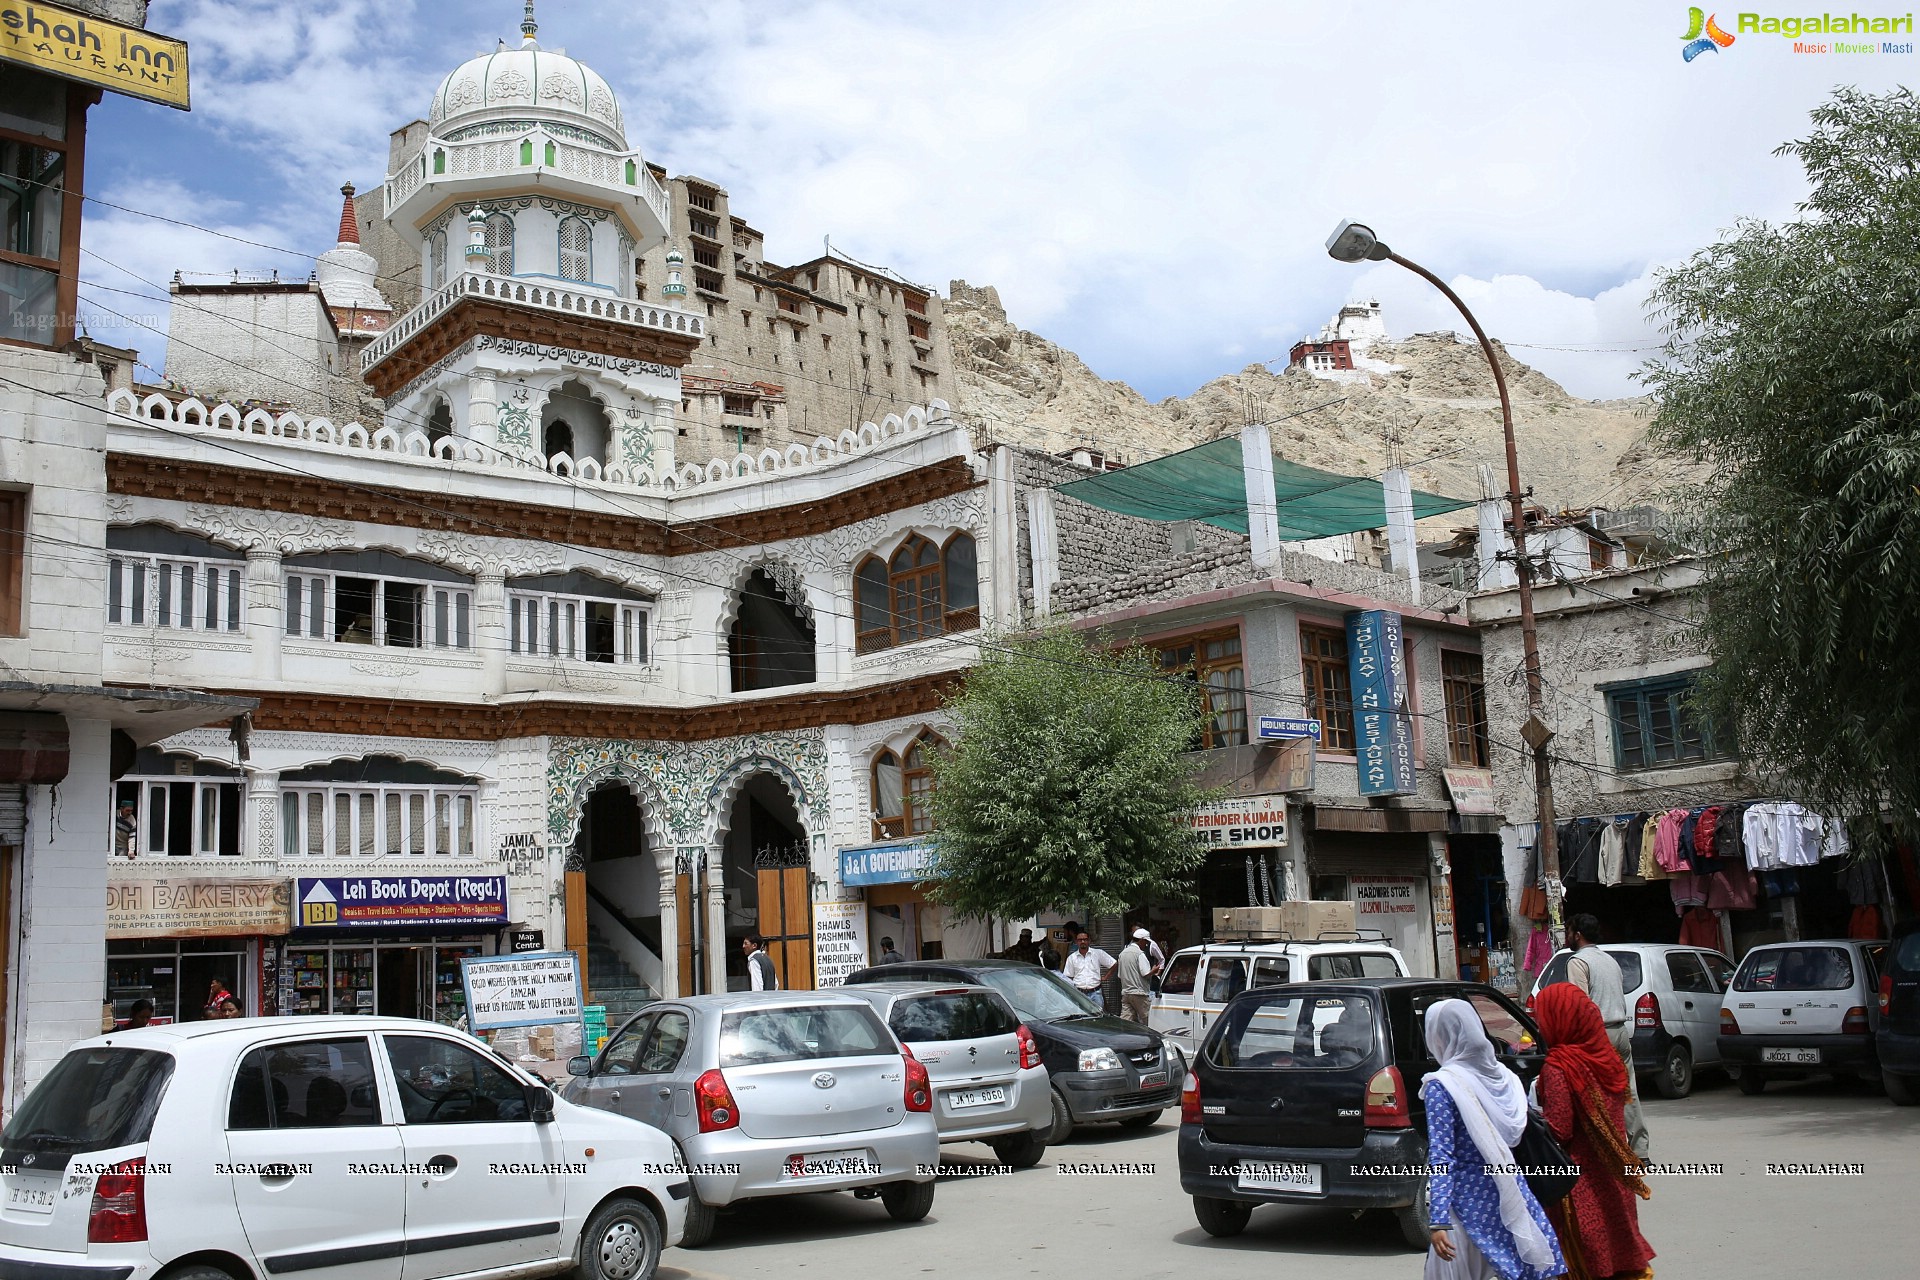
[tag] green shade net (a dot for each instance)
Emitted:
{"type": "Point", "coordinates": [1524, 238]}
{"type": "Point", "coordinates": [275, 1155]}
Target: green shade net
{"type": "Point", "coordinates": [1206, 483]}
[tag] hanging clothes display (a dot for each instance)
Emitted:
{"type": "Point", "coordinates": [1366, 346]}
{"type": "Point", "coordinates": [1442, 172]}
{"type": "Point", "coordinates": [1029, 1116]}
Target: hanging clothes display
{"type": "Point", "coordinates": [1580, 850]}
{"type": "Point", "coordinates": [1865, 924]}
{"type": "Point", "coordinates": [1702, 842]}
{"type": "Point", "coordinates": [1728, 835]}
{"type": "Point", "coordinates": [1613, 847]}
{"type": "Point", "coordinates": [1731, 890]}
{"type": "Point", "coordinates": [1650, 868]}
{"type": "Point", "coordinates": [1688, 890]}
{"type": "Point", "coordinates": [1539, 951]}
{"type": "Point", "coordinates": [1699, 927]}
{"type": "Point", "coordinates": [1667, 842]}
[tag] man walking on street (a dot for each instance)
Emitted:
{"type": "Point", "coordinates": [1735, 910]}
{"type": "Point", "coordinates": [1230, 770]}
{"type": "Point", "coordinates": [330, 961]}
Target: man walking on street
{"type": "Point", "coordinates": [1136, 971]}
{"type": "Point", "coordinates": [1087, 967]}
{"type": "Point", "coordinates": [1598, 974]}
{"type": "Point", "coordinates": [760, 973]}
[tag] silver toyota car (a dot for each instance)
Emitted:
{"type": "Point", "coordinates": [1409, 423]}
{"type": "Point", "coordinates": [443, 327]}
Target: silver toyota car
{"type": "Point", "coordinates": [771, 1093]}
{"type": "Point", "coordinates": [988, 1083]}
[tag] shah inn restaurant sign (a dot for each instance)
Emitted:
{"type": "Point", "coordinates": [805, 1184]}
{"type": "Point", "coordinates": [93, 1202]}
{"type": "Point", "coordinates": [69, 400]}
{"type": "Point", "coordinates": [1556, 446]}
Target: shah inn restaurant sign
{"type": "Point", "coordinates": [399, 902]}
{"type": "Point", "coordinates": [889, 862]}
{"type": "Point", "coordinates": [80, 46]}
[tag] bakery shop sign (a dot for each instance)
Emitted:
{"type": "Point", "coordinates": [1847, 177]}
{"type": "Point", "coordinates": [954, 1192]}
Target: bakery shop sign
{"type": "Point", "coordinates": [155, 908]}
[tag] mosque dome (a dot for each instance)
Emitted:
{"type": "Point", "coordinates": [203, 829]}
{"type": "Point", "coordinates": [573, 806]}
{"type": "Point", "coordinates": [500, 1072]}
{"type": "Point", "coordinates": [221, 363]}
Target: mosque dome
{"type": "Point", "coordinates": [526, 83]}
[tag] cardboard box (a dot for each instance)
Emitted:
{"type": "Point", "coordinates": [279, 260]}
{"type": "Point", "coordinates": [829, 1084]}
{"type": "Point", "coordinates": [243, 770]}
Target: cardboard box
{"type": "Point", "coordinates": [1222, 920]}
{"type": "Point", "coordinates": [1299, 920]}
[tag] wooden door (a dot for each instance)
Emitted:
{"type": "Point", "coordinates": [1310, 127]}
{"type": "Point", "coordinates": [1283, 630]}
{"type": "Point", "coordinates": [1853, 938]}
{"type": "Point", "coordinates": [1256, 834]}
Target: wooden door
{"type": "Point", "coordinates": [576, 888]}
{"type": "Point", "coordinates": [786, 914]}
{"type": "Point", "coordinates": [686, 897]}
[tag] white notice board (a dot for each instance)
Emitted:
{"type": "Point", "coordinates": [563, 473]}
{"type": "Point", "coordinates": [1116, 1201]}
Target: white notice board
{"type": "Point", "coordinates": [527, 990]}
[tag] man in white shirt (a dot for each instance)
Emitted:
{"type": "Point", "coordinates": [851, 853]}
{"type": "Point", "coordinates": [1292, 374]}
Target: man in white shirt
{"type": "Point", "coordinates": [1087, 967]}
{"type": "Point", "coordinates": [1598, 974]}
{"type": "Point", "coordinates": [760, 971]}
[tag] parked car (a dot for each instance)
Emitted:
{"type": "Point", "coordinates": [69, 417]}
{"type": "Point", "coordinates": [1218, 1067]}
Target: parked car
{"type": "Point", "coordinates": [773, 1093]}
{"type": "Point", "coordinates": [1199, 981]}
{"type": "Point", "coordinates": [1099, 1068]}
{"type": "Point", "coordinates": [1796, 1007]}
{"type": "Point", "coordinates": [988, 1083]}
{"type": "Point", "coordinates": [1899, 1037]}
{"type": "Point", "coordinates": [335, 1146]}
{"type": "Point", "coordinates": [1673, 993]}
{"type": "Point", "coordinates": [1309, 1093]}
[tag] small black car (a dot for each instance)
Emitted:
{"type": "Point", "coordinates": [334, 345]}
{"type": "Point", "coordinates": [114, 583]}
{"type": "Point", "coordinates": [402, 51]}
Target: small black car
{"type": "Point", "coordinates": [1101, 1068]}
{"type": "Point", "coordinates": [1309, 1093]}
{"type": "Point", "coordinates": [1899, 1035]}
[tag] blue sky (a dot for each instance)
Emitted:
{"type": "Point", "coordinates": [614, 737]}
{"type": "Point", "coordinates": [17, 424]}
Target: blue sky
{"type": "Point", "coordinates": [1148, 184]}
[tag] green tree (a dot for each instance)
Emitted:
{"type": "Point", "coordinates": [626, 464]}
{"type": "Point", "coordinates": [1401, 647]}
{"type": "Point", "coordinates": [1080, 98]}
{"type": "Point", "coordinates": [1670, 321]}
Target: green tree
{"type": "Point", "coordinates": [1790, 366]}
{"type": "Point", "coordinates": [1069, 783]}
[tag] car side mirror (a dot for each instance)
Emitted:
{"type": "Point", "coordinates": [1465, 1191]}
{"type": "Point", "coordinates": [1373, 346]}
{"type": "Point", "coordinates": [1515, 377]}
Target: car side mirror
{"type": "Point", "coordinates": [580, 1065]}
{"type": "Point", "coordinates": [539, 1103]}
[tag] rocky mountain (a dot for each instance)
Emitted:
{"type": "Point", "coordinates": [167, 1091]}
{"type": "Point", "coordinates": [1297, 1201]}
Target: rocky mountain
{"type": "Point", "coordinates": [1440, 410]}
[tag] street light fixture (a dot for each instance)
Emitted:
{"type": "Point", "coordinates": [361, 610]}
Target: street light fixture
{"type": "Point", "coordinates": [1356, 242]}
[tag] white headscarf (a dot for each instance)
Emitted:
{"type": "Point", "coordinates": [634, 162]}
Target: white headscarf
{"type": "Point", "coordinates": [1492, 1104]}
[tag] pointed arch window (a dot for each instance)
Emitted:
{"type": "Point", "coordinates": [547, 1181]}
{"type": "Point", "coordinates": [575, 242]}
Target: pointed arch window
{"type": "Point", "coordinates": [922, 590]}
{"type": "Point", "coordinates": [902, 789]}
{"type": "Point", "coordinates": [576, 249]}
{"type": "Point", "coordinates": [437, 260]}
{"type": "Point", "coordinates": [500, 243]}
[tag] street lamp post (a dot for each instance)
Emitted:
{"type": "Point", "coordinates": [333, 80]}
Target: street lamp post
{"type": "Point", "coordinates": [1353, 242]}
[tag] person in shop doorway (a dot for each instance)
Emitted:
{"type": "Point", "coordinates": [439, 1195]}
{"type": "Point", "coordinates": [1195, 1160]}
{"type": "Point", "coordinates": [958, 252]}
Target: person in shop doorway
{"type": "Point", "coordinates": [1022, 949]}
{"type": "Point", "coordinates": [760, 974]}
{"type": "Point", "coordinates": [220, 1001]}
{"type": "Point", "coordinates": [141, 1015]}
{"type": "Point", "coordinates": [887, 953]}
{"type": "Point", "coordinates": [1137, 971]}
{"type": "Point", "coordinates": [1086, 967]}
{"type": "Point", "coordinates": [1598, 974]}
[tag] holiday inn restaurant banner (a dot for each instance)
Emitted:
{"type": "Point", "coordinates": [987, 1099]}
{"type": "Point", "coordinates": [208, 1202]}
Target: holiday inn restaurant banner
{"type": "Point", "coordinates": [80, 46]}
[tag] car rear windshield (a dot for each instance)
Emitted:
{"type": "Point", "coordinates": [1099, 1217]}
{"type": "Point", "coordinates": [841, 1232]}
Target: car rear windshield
{"type": "Point", "coordinates": [798, 1033]}
{"type": "Point", "coordinates": [92, 1100]}
{"type": "Point", "coordinates": [1631, 974]}
{"type": "Point", "coordinates": [1304, 1032]}
{"type": "Point", "coordinates": [961, 1015]}
{"type": "Point", "coordinates": [1907, 958]}
{"type": "Point", "coordinates": [1795, 969]}
{"type": "Point", "coordinates": [1037, 994]}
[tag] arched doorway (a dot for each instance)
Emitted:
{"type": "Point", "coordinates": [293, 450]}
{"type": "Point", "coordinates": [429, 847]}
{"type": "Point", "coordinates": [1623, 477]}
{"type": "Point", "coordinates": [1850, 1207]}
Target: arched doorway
{"type": "Point", "coordinates": [771, 641]}
{"type": "Point", "coordinates": [768, 882]}
{"type": "Point", "coordinates": [623, 901]}
{"type": "Point", "coordinates": [575, 423]}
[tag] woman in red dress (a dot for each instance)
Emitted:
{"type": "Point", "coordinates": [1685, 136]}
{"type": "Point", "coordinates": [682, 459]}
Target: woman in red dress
{"type": "Point", "coordinates": [1583, 1093]}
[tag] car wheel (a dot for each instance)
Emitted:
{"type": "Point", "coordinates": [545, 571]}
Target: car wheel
{"type": "Point", "coordinates": [907, 1201]}
{"type": "Point", "coordinates": [1062, 1121]}
{"type": "Point", "coordinates": [700, 1219]}
{"type": "Point", "coordinates": [1221, 1217]}
{"type": "Point", "coordinates": [1900, 1089]}
{"type": "Point", "coordinates": [1140, 1122]}
{"type": "Point", "coordinates": [1413, 1221]}
{"type": "Point", "coordinates": [621, 1242]}
{"type": "Point", "coordinates": [1021, 1150]}
{"type": "Point", "coordinates": [196, 1271]}
{"type": "Point", "coordinates": [1751, 1082]}
{"type": "Point", "coordinates": [1675, 1079]}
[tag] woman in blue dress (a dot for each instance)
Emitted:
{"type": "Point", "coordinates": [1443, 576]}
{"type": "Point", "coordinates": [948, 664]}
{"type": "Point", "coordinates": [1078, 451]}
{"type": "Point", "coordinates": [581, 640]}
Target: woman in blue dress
{"type": "Point", "coordinates": [1485, 1223]}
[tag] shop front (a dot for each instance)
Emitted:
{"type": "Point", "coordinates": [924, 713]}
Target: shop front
{"type": "Point", "coordinates": [1248, 864]}
{"type": "Point", "coordinates": [170, 939]}
{"type": "Point", "coordinates": [1381, 860]}
{"type": "Point", "coordinates": [887, 876]}
{"type": "Point", "coordinates": [387, 945]}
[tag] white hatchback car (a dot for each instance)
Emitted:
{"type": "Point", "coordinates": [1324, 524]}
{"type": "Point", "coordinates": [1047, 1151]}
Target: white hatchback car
{"type": "Point", "coordinates": [352, 1147]}
{"type": "Point", "coordinates": [1199, 981]}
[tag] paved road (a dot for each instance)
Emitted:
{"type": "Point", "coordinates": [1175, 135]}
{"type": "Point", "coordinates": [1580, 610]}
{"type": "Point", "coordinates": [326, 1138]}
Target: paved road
{"type": "Point", "coordinates": [1041, 1222]}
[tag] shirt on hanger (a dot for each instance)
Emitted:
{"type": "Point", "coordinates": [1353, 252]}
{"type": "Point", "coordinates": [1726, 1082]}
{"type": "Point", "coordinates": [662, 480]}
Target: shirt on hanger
{"type": "Point", "coordinates": [1731, 890]}
{"type": "Point", "coordinates": [1667, 841]}
{"type": "Point", "coordinates": [1688, 890]}
{"type": "Point", "coordinates": [1650, 868]}
{"type": "Point", "coordinates": [1613, 849]}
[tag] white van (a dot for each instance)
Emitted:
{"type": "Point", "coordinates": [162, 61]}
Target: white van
{"type": "Point", "coordinates": [1199, 981]}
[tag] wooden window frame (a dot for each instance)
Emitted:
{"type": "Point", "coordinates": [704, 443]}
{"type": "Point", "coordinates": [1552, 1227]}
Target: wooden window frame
{"type": "Point", "coordinates": [1335, 716]}
{"type": "Point", "coordinates": [73, 150]}
{"type": "Point", "coordinates": [945, 619]}
{"type": "Point", "coordinates": [1464, 691]}
{"type": "Point", "coordinates": [1201, 668]}
{"type": "Point", "coordinates": [916, 788]}
{"type": "Point", "coordinates": [1640, 706]}
{"type": "Point", "coordinates": [14, 513]}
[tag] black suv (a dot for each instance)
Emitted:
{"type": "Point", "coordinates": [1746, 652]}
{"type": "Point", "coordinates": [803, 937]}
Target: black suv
{"type": "Point", "coordinates": [1899, 1035]}
{"type": "Point", "coordinates": [1309, 1093]}
{"type": "Point", "coordinates": [1101, 1068]}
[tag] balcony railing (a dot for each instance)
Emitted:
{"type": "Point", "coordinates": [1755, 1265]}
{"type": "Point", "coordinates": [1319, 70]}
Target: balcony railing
{"type": "Point", "coordinates": [586, 303]}
{"type": "Point", "coordinates": [531, 156]}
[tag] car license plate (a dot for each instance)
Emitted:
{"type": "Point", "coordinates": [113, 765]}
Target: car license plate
{"type": "Point", "coordinates": [961, 1098]}
{"type": "Point", "coordinates": [1280, 1177]}
{"type": "Point", "coordinates": [1803, 1057]}
{"type": "Point", "coordinates": [830, 1164]}
{"type": "Point", "coordinates": [1153, 1080]}
{"type": "Point", "coordinates": [30, 1198]}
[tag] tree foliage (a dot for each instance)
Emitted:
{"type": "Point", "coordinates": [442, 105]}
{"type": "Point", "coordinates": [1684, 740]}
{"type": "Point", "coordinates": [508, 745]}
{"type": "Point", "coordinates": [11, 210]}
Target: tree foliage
{"type": "Point", "coordinates": [1791, 366]}
{"type": "Point", "coordinates": [1068, 783]}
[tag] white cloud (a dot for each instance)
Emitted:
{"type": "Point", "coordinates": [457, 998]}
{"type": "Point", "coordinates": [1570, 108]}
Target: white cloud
{"type": "Point", "coordinates": [1148, 184]}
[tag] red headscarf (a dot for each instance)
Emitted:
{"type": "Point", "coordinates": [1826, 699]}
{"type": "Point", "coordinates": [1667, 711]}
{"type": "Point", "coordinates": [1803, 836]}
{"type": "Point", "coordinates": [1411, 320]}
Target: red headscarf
{"type": "Point", "coordinates": [1577, 1041]}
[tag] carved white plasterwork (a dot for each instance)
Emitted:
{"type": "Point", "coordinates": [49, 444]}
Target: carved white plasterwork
{"type": "Point", "coordinates": [119, 508]}
{"type": "Point", "coordinates": [289, 534]}
{"type": "Point", "coordinates": [504, 556]}
{"type": "Point", "coordinates": [387, 670]}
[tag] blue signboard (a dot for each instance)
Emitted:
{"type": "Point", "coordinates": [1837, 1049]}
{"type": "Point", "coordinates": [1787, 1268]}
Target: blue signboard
{"type": "Point", "coordinates": [400, 902]}
{"type": "Point", "coordinates": [890, 862]}
{"type": "Point", "coordinates": [1286, 729]}
{"type": "Point", "coordinates": [1382, 728]}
